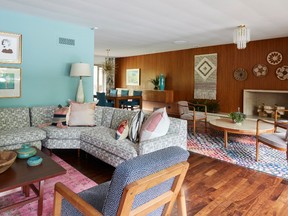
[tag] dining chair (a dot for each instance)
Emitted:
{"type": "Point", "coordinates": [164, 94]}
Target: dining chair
{"type": "Point", "coordinates": [147, 184]}
{"type": "Point", "coordinates": [124, 92]}
{"type": "Point", "coordinates": [134, 103]}
{"type": "Point", "coordinates": [188, 112]}
{"type": "Point", "coordinates": [101, 96]}
{"type": "Point", "coordinates": [113, 92]}
{"type": "Point", "coordinates": [276, 140]}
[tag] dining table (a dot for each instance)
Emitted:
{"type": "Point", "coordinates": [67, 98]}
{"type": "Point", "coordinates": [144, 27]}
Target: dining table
{"type": "Point", "coordinates": [118, 98]}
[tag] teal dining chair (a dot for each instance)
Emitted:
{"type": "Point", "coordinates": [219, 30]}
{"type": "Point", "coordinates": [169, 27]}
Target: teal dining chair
{"type": "Point", "coordinates": [134, 103]}
{"type": "Point", "coordinates": [123, 93]}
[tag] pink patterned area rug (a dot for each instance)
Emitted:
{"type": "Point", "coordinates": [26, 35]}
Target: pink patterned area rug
{"type": "Point", "coordinates": [72, 179]}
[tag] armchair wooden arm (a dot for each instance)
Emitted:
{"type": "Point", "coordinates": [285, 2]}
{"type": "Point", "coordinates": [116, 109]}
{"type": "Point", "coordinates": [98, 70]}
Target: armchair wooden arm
{"type": "Point", "coordinates": [258, 124]}
{"type": "Point", "coordinates": [62, 191]}
{"type": "Point", "coordinates": [281, 124]}
{"type": "Point", "coordinates": [200, 105]}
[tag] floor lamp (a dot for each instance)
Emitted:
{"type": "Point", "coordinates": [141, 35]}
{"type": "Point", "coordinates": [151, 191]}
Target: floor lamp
{"type": "Point", "coordinates": [80, 70]}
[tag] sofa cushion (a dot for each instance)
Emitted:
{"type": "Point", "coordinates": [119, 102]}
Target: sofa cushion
{"type": "Point", "coordinates": [21, 135]}
{"type": "Point", "coordinates": [121, 115]}
{"type": "Point", "coordinates": [135, 126]}
{"type": "Point", "coordinates": [104, 138]}
{"type": "Point", "coordinates": [107, 116]}
{"type": "Point", "coordinates": [60, 116]}
{"type": "Point", "coordinates": [11, 118]}
{"type": "Point", "coordinates": [41, 115]}
{"type": "Point", "coordinates": [61, 144]}
{"type": "Point", "coordinates": [156, 125]}
{"type": "Point", "coordinates": [122, 130]}
{"type": "Point", "coordinates": [64, 133]}
{"type": "Point", "coordinates": [82, 114]}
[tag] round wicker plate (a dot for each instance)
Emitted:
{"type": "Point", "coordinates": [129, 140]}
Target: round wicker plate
{"type": "Point", "coordinates": [260, 70]}
{"type": "Point", "coordinates": [282, 72]}
{"type": "Point", "coordinates": [274, 58]}
{"type": "Point", "coordinates": [240, 74]}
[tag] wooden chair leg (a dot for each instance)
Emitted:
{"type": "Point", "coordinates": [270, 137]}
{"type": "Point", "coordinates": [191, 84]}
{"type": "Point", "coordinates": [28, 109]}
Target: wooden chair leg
{"type": "Point", "coordinates": [257, 149]}
{"type": "Point", "coordinates": [181, 203]}
{"type": "Point", "coordinates": [194, 127]}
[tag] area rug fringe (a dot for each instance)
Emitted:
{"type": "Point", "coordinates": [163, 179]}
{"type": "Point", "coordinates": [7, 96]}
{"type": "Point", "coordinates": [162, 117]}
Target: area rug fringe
{"type": "Point", "coordinates": [73, 179]}
{"type": "Point", "coordinates": [241, 151]}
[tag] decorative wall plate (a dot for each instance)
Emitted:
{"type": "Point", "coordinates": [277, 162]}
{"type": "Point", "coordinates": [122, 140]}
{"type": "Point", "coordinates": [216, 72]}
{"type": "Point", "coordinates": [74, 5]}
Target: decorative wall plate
{"type": "Point", "coordinates": [240, 74]}
{"type": "Point", "coordinates": [282, 72]}
{"type": "Point", "coordinates": [260, 70]}
{"type": "Point", "coordinates": [274, 58]}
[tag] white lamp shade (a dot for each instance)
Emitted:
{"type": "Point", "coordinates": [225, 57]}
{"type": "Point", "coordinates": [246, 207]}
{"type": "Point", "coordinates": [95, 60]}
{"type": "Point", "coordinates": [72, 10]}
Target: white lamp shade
{"type": "Point", "coordinates": [80, 69]}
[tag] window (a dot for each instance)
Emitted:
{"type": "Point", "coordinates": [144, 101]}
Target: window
{"type": "Point", "coordinates": [99, 82]}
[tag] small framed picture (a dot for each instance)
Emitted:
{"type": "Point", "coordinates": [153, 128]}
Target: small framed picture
{"type": "Point", "coordinates": [133, 77]}
{"type": "Point", "coordinates": [10, 48]}
{"type": "Point", "coordinates": [10, 82]}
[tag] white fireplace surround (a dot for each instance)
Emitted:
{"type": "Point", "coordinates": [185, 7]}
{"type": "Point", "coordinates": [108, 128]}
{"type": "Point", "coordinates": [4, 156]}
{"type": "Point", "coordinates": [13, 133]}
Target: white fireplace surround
{"type": "Point", "coordinates": [252, 98]}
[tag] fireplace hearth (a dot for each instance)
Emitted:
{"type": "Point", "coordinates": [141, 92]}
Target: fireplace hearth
{"type": "Point", "coordinates": [253, 100]}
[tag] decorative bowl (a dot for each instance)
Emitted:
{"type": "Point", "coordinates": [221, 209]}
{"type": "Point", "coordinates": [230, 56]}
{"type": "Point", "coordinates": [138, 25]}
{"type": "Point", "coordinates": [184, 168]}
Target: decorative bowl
{"type": "Point", "coordinates": [26, 151]}
{"type": "Point", "coordinates": [7, 158]}
{"type": "Point", "coordinates": [34, 161]}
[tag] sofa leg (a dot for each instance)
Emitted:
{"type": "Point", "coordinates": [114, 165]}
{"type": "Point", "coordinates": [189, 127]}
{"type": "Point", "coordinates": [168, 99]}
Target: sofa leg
{"type": "Point", "coordinates": [78, 153]}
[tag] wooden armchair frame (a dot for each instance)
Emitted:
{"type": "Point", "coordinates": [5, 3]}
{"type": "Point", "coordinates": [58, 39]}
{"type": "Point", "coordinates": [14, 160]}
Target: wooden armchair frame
{"type": "Point", "coordinates": [192, 108]}
{"type": "Point", "coordinates": [278, 123]}
{"type": "Point", "coordinates": [168, 199]}
{"type": "Point", "coordinates": [266, 143]}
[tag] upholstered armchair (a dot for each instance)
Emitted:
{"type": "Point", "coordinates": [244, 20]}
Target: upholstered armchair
{"type": "Point", "coordinates": [188, 112]}
{"type": "Point", "coordinates": [149, 183]}
{"type": "Point", "coordinates": [276, 140]}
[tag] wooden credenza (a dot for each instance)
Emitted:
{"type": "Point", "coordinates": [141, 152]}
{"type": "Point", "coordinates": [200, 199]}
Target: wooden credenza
{"type": "Point", "coordinates": [165, 96]}
{"type": "Point", "coordinates": [153, 99]}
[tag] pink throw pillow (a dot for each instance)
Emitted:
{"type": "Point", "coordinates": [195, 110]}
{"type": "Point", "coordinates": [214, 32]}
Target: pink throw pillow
{"type": "Point", "coordinates": [82, 114]}
{"type": "Point", "coordinates": [156, 125]}
{"type": "Point", "coordinates": [122, 130]}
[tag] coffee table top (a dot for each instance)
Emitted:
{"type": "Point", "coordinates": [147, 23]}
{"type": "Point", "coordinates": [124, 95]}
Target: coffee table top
{"type": "Point", "coordinates": [247, 127]}
{"type": "Point", "coordinates": [20, 173]}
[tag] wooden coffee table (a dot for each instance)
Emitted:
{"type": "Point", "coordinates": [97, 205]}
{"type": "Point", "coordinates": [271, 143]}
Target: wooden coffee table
{"type": "Point", "coordinates": [22, 175]}
{"type": "Point", "coordinates": [247, 127]}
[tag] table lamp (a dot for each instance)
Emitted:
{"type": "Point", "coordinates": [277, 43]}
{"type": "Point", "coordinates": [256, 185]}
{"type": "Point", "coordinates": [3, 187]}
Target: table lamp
{"type": "Point", "coordinates": [80, 70]}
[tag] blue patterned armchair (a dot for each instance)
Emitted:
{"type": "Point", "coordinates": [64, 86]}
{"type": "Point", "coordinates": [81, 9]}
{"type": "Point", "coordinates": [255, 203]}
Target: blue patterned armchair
{"type": "Point", "coordinates": [135, 184]}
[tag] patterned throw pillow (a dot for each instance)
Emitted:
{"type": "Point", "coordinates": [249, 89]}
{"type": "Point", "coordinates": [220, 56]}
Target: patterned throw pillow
{"type": "Point", "coordinates": [60, 116]}
{"type": "Point", "coordinates": [122, 130]}
{"type": "Point", "coordinates": [135, 126]}
{"type": "Point", "coordinates": [82, 114]}
{"type": "Point", "coordinates": [156, 125]}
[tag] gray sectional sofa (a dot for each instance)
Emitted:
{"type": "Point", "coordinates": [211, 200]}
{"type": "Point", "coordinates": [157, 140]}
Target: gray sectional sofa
{"type": "Point", "coordinates": [98, 141]}
{"type": "Point", "coordinates": [15, 129]}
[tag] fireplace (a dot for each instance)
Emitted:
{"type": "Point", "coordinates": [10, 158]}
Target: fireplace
{"type": "Point", "coordinates": [253, 98]}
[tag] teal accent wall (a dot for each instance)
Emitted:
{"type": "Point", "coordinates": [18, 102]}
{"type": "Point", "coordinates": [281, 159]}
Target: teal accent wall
{"type": "Point", "coordinates": [46, 63]}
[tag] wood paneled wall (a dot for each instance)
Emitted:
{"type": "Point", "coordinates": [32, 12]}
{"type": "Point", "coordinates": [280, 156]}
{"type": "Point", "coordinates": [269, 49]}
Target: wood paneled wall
{"type": "Point", "coordinates": [178, 67]}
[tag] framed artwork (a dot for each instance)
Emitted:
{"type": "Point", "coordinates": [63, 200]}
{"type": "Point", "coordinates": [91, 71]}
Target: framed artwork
{"type": "Point", "coordinates": [133, 77]}
{"type": "Point", "coordinates": [10, 82]}
{"type": "Point", "coordinates": [10, 48]}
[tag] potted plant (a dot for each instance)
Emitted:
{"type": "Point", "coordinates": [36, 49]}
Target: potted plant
{"type": "Point", "coordinates": [237, 117]}
{"type": "Point", "coordinates": [155, 82]}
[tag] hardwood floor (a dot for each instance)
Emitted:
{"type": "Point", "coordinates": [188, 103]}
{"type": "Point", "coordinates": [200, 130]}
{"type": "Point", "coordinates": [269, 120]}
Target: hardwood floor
{"type": "Point", "coordinates": [212, 187]}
